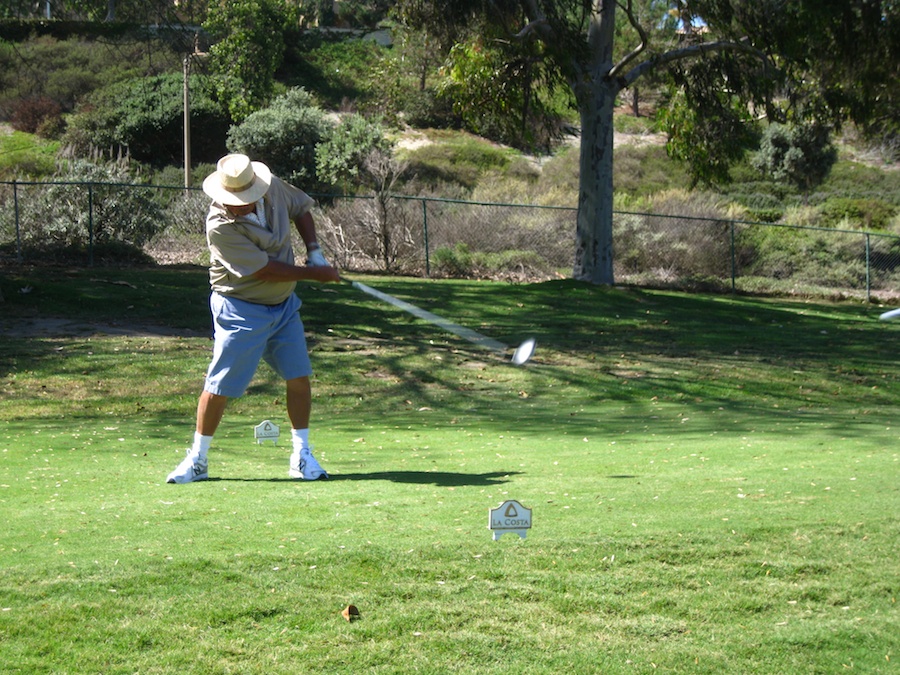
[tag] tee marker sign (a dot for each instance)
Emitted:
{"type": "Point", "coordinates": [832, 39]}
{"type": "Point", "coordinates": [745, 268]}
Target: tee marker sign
{"type": "Point", "coordinates": [266, 431]}
{"type": "Point", "coordinates": [511, 517]}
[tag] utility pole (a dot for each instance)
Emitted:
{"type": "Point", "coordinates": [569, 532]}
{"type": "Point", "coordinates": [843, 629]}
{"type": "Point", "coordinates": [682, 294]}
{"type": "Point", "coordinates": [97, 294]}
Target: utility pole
{"type": "Point", "coordinates": [187, 122]}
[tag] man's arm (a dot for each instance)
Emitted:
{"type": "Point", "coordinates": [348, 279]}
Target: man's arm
{"type": "Point", "coordinates": [306, 227]}
{"type": "Point", "coordinates": [280, 271]}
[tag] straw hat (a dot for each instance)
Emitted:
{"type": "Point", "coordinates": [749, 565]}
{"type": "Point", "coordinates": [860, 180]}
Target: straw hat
{"type": "Point", "coordinates": [237, 181]}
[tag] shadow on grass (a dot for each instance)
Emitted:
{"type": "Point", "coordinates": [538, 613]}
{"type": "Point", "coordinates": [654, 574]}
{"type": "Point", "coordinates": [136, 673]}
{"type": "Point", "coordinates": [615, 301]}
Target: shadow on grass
{"type": "Point", "coordinates": [439, 478]}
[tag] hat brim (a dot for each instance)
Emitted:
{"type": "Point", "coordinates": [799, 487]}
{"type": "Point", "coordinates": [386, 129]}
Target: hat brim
{"type": "Point", "coordinates": [262, 179]}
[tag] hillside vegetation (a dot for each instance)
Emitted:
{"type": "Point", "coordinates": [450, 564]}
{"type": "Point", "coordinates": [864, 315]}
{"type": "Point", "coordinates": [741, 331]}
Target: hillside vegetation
{"type": "Point", "coordinates": [340, 80]}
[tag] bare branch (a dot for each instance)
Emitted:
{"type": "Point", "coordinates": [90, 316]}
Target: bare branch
{"type": "Point", "coordinates": [628, 58]}
{"type": "Point", "coordinates": [537, 23]}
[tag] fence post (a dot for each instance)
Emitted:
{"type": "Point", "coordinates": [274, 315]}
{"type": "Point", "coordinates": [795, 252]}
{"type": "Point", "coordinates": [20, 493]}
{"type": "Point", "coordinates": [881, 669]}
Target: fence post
{"type": "Point", "coordinates": [425, 232]}
{"type": "Point", "coordinates": [868, 268]}
{"type": "Point", "coordinates": [16, 217]}
{"type": "Point", "coordinates": [733, 264]}
{"type": "Point", "coordinates": [90, 224]}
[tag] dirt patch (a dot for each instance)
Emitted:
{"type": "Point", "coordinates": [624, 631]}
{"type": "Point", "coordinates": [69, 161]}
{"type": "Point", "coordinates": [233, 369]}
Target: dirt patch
{"type": "Point", "coordinates": [47, 327]}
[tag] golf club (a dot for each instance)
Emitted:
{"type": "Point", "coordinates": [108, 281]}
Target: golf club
{"type": "Point", "coordinates": [521, 355]}
{"type": "Point", "coordinates": [892, 314]}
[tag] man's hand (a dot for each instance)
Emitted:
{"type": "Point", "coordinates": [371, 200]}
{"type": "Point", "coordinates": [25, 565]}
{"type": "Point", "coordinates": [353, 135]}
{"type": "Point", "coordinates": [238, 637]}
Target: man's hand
{"type": "Point", "coordinates": [324, 273]}
{"type": "Point", "coordinates": [315, 258]}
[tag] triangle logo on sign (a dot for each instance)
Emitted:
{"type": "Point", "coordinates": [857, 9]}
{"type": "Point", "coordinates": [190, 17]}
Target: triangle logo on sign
{"type": "Point", "coordinates": [511, 512]}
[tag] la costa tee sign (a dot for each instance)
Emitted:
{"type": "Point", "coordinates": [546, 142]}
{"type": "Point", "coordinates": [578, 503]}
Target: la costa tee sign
{"type": "Point", "coordinates": [511, 517]}
{"type": "Point", "coordinates": [266, 431]}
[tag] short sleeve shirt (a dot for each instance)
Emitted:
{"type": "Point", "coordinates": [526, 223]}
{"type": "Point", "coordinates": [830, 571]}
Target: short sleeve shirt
{"type": "Point", "coordinates": [240, 246]}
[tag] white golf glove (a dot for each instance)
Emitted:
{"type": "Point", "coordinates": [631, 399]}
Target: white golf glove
{"type": "Point", "coordinates": [315, 258]}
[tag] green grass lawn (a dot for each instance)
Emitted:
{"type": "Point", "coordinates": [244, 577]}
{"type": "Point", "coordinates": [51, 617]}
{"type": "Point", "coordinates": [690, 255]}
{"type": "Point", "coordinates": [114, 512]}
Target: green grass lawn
{"type": "Point", "coordinates": [713, 479]}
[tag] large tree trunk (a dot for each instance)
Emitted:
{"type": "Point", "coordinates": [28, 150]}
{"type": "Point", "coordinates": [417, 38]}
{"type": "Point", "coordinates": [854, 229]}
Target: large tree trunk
{"type": "Point", "coordinates": [593, 231]}
{"type": "Point", "coordinates": [596, 95]}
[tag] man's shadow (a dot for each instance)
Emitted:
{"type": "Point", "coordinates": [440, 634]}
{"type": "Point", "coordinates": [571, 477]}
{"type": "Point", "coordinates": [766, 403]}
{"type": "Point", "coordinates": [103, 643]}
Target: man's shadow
{"type": "Point", "coordinates": [439, 478]}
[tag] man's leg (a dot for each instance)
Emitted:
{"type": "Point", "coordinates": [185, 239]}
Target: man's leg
{"type": "Point", "coordinates": [299, 405]}
{"type": "Point", "coordinates": [299, 402]}
{"type": "Point", "coordinates": [210, 409]}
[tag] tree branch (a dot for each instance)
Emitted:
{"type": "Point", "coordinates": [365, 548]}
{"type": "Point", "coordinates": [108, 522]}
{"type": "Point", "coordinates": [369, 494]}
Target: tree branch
{"type": "Point", "coordinates": [690, 52]}
{"type": "Point", "coordinates": [537, 22]}
{"type": "Point", "coordinates": [628, 58]}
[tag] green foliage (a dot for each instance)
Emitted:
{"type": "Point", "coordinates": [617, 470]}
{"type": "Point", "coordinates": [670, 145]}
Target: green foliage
{"type": "Point", "coordinates": [343, 150]}
{"type": "Point", "coordinates": [343, 72]}
{"type": "Point", "coordinates": [453, 261]}
{"type": "Point", "coordinates": [67, 218]}
{"type": "Point", "coordinates": [855, 179]}
{"type": "Point", "coordinates": [501, 91]}
{"type": "Point", "coordinates": [25, 156]}
{"type": "Point", "coordinates": [865, 214]}
{"type": "Point", "coordinates": [427, 109]}
{"type": "Point", "coordinates": [801, 155]}
{"type": "Point", "coordinates": [146, 116]}
{"type": "Point", "coordinates": [362, 13]}
{"type": "Point", "coordinates": [686, 237]}
{"type": "Point", "coordinates": [456, 160]}
{"type": "Point", "coordinates": [643, 170]}
{"type": "Point", "coordinates": [248, 49]}
{"type": "Point", "coordinates": [284, 136]}
{"type": "Point", "coordinates": [66, 71]}
{"type": "Point", "coordinates": [804, 255]}
{"type": "Point", "coordinates": [460, 262]}
{"type": "Point", "coordinates": [708, 127]}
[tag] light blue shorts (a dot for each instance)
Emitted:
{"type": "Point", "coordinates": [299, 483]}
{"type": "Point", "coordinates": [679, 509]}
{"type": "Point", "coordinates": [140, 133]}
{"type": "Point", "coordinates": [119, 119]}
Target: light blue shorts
{"type": "Point", "coordinates": [246, 332]}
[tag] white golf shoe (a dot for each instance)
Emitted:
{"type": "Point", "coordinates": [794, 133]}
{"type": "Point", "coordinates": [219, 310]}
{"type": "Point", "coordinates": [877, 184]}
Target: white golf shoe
{"type": "Point", "coordinates": [305, 466]}
{"type": "Point", "coordinates": [194, 467]}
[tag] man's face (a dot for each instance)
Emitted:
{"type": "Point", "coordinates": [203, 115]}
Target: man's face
{"type": "Point", "coordinates": [240, 210]}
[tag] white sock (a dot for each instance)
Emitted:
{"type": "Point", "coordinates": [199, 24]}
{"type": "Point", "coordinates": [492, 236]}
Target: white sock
{"type": "Point", "coordinates": [201, 443]}
{"type": "Point", "coordinates": [300, 438]}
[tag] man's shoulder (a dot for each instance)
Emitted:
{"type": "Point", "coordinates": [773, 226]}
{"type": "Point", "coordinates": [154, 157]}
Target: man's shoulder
{"type": "Point", "coordinates": [281, 190]}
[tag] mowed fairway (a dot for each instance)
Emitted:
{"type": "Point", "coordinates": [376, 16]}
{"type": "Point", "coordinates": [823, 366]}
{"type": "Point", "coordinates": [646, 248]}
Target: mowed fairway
{"type": "Point", "coordinates": [713, 479]}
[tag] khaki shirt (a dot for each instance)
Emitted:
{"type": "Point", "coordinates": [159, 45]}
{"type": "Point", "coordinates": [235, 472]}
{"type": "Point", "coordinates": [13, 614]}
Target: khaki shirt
{"type": "Point", "coordinates": [240, 246]}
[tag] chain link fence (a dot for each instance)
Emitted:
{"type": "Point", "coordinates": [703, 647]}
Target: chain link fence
{"type": "Point", "coordinates": [102, 223]}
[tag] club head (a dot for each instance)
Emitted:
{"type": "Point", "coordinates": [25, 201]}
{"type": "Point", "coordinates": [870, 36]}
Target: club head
{"type": "Point", "coordinates": [524, 352]}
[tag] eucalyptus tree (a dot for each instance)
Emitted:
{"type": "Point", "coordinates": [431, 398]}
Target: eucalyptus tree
{"type": "Point", "coordinates": [731, 60]}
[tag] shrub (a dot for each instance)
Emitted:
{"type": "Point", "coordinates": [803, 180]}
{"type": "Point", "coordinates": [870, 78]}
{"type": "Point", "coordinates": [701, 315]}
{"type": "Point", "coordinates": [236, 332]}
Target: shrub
{"type": "Point", "coordinates": [462, 161]}
{"type": "Point", "coordinates": [35, 113]}
{"type": "Point", "coordinates": [687, 235]}
{"type": "Point", "coordinates": [645, 170]}
{"type": "Point", "coordinates": [800, 155]}
{"type": "Point", "coordinates": [425, 109]}
{"type": "Point", "coordinates": [285, 136]}
{"type": "Point", "coordinates": [866, 214]}
{"type": "Point", "coordinates": [357, 236]}
{"type": "Point", "coordinates": [341, 154]}
{"type": "Point", "coordinates": [92, 210]}
{"type": "Point", "coordinates": [69, 70]}
{"type": "Point", "coordinates": [336, 70]}
{"type": "Point", "coordinates": [763, 207]}
{"type": "Point", "coordinates": [453, 261]}
{"type": "Point", "coordinates": [146, 116]}
{"type": "Point", "coordinates": [460, 261]}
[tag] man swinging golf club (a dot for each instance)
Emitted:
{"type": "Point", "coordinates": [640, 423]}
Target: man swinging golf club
{"type": "Point", "coordinates": [254, 308]}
